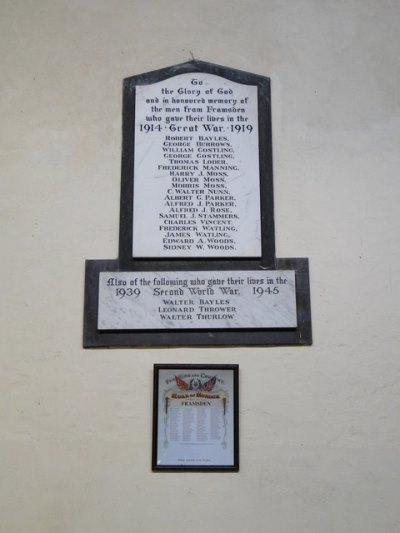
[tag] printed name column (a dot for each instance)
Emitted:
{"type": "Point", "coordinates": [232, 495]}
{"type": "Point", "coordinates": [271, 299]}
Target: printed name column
{"type": "Point", "coordinates": [201, 423]}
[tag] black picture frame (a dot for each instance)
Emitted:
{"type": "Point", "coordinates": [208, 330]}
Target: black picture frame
{"type": "Point", "coordinates": [197, 390]}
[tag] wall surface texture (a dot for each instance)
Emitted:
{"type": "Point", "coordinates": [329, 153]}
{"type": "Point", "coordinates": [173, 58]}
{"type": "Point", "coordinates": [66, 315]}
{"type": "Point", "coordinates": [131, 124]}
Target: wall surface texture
{"type": "Point", "coordinates": [319, 433]}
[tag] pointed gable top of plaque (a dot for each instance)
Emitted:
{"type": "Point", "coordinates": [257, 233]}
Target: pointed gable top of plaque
{"type": "Point", "coordinates": [195, 65]}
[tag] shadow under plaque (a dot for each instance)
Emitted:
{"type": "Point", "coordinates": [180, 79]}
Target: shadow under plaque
{"type": "Point", "coordinates": [197, 261]}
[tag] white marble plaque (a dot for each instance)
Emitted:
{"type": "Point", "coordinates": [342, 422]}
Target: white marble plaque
{"type": "Point", "coordinates": [196, 171]}
{"type": "Point", "coordinates": [197, 300]}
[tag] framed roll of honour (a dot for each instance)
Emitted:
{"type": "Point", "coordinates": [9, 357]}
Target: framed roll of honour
{"type": "Point", "coordinates": [195, 417]}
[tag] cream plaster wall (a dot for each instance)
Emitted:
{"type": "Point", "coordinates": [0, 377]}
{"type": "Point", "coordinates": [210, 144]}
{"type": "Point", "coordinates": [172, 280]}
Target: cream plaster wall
{"type": "Point", "coordinates": [320, 431]}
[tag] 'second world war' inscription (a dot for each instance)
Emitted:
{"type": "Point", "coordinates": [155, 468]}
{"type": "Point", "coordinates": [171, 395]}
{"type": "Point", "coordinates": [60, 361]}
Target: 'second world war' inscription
{"type": "Point", "coordinates": [197, 183]}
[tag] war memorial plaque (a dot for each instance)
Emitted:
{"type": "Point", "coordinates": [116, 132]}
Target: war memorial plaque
{"type": "Point", "coordinates": [197, 176]}
{"type": "Point", "coordinates": [197, 261]}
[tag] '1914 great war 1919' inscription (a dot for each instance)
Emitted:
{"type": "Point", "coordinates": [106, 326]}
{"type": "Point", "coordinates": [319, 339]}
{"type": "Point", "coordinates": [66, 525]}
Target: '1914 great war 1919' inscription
{"type": "Point", "coordinates": [197, 183]}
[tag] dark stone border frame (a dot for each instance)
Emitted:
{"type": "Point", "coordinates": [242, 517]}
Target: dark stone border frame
{"type": "Point", "coordinates": [94, 338]}
{"type": "Point", "coordinates": [265, 155]}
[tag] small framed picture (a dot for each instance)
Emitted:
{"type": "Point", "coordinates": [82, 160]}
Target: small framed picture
{"type": "Point", "coordinates": [195, 417]}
